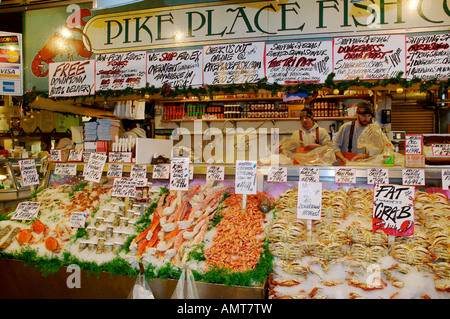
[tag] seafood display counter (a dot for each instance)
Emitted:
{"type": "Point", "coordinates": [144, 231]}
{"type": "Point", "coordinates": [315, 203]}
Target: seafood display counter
{"type": "Point", "coordinates": [234, 246]}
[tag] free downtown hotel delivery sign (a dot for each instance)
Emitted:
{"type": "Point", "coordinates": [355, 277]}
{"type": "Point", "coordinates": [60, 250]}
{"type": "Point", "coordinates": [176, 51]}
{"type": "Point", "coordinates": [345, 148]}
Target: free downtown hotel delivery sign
{"type": "Point", "coordinates": [190, 25]}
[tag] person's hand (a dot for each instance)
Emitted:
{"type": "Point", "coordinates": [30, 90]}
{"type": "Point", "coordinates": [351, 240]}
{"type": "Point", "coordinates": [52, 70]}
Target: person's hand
{"type": "Point", "coordinates": [359, 157]}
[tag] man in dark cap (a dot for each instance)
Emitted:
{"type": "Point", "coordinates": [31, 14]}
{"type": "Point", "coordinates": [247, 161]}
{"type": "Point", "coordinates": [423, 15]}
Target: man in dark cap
{"type": "Point", "coordinates": [310, 133]}
{"type": "Point", "coordinates": [345, 141]}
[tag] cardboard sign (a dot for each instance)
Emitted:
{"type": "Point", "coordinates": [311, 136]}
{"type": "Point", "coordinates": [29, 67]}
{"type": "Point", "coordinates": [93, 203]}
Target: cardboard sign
{"type": "Point", "coordinates": [138, 171]}
{"type": "Point", "coordinates": [302, 61]}
{"type": "Point", "coordinates": [114, 170]}
{"type": "Point", "coordinates": [161, 171]}
{"type": "Point", "coordinates": [393, 210]}
{"type": "Point", "coordinates": [413, 176]}
{"type": "Point", "coordinates": [65, 169]}
{"type": "Point", "coordinates": [277, 174]}
{"type": "Point", "coordinates": [309, 200]}
{"type": "Point", "coordinates": [369, 57]}
{"type": "Point", "coordinates": [427, 56]}
{"type": "Point", "coordinates": [413, 144]}
{"type": "Point", "coordinates": [440, 149]}
{"type": "Point", "coordinates": [245, 179]}
{"type": "Point", "coordinates": [71, 78]}
{"type": "Point", "coordinates": [26, 211]}
{"type": "Point", "coordinates": [78, 219]}
{"type": "Point", "coordinates": [446, 179]}
{"type": "Point", "coordinates": [236, 63]}
{"type": "Point", "coordinates": [175, 68]}
{"type": "Point", "coordinates": [75, 155]}
{"type": "Point", "coordinates": [120, 157]}
{"type": "Point", "coordinates": [56, 156]}
{"type": "Point", "coordinates": [94, 168]}
{"type": "Point", "coordinates": [179, 174]}
{"type": "Point", "coordinates": [345, 176]}
{"type": "Point", "coordinates": [215, 173]}
{"type": "Point", "coordinates": [309, 174]}
{"type": "Point", "coordinates": [377, 176]}
{"type": "Point", "coordinates": [28, 172]}
{"type": "Point", "coordinates": [118, 71]}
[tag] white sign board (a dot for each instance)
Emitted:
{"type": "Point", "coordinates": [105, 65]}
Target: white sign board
{"type": "Point", "coordinates": [309, 200]}
{"type": "Point", "coordinates": [245, 179]}
{"type": "Point", "coordinates": [179, 174]}
{"type": "Point", "coordinates": [71, 78]}
{"type": "Point", "coordinates": [295, 62]}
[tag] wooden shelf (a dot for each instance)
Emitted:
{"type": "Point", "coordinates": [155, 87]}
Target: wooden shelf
{"type": "Point", "coordinates": [234, 99]}
{"type": "Point", "coordinates": [277, 119]}
{"type": "Point", "coordinates": [343, 97]}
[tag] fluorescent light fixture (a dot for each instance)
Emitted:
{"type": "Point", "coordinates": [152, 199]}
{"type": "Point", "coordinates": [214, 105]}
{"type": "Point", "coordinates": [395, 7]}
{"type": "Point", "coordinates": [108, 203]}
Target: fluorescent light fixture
{"type": "Point", "coordinates": [356, 1]}
{"type": "Point", "coordinates": [104, 4]}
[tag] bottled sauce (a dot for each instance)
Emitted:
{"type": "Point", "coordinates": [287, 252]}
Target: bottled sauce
{"type": "Point", "coordinates": [388, 155]}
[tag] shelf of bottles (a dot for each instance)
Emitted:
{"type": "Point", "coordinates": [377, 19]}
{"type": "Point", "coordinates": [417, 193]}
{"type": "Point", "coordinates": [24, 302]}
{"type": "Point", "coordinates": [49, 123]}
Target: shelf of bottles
{"type": "Point", "coordinates": [328, 109]}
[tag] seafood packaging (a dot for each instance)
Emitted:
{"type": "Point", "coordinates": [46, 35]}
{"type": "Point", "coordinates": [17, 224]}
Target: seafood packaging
{"type": "Point", "coordinates": [341, 258]}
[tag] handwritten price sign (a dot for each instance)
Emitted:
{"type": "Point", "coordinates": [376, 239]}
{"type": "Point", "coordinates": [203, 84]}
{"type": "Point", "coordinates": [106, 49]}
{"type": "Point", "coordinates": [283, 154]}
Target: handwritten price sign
{"type": "Point", "coordinates": [26, 211]}
{"type": "Point", "coordinates": [309, 174]}
{"type": "Point", "coordinates": [377, 176]}
{"type": "Point", "coordinates": [78, 219]}
{"type": "Point", "coordinates": [413, 176]}
{"type": "Point", "coordinates": [75, 155]}
{"type": "Point", "coordinates": [446, 179]}
{"type": "Point", "coordinates": [309, 201]}
{"type": "Point", "coordinates": [413, 144]}
{"type": "Point", "coordinates": [114, 170]}
{"type": "Point", "coordinates": [345, 176]}
{"type": "Point", "coordinates": [138, 171]}
{"type": "Point", "coordinates": [28, 172]}
{"type": "Point", "coordinates": [245, 181]}
{"type": "Point", "coordinates": [215, 173]}
{"type": "Point", "coordinates": [94, 168]}
{"type": "Point", "coordinates": [179, 174]}
{"type": "Point", "coordinates": [277, 174]}
{"type": "Point", "coordinates": [65, 169]}
{"type": "Point", "coordinates": [161, 171]}
{"type": "Point", "coordinates": [440, 149]}
{"type": "Point", "coordinates": [393, 210]}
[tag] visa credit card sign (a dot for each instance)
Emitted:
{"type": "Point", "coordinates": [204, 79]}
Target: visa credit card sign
{"type": "Point", "coordinates": [11, 61]}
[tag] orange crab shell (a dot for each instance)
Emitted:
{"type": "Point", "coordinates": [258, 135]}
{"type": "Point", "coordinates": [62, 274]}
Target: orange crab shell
{"type": "Point", "coordinates": [51, 244]}
{"type": "Point", "coordinates": [38, 227]}
{"type": "Point", "coordinates": [24, 236]}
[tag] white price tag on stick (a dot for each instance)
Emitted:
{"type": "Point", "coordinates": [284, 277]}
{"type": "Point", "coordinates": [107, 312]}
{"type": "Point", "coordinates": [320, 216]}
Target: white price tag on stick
{"type": "Point", "coordinates": [245, 179]}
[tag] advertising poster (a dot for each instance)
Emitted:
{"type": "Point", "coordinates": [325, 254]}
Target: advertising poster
{"type": "Point", "coordinates": [236, 63]}
{"type": "Point", "coordinates": [118, 71]}
{"type": "Point", "coordinates": [295, 62]}
{"type": "Point", "coordinates": [370, 57]}
{"type": "Point", "coordinates": [175, 68]}
{"type": "Point", "coordinates": [11, 60]}
{"type": "Point", "coordinates": [73, 78]}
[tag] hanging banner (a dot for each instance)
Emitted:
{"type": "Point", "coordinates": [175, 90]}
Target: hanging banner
{"type": "Point", "coordinates": [393, 209]}
{"type": "Point", "coordinates": [236, 63]}
{"type": "Point", "coordinates": [72, 78]}
{"type": "Point", "coordinates": [295, 62]}
{"type": "Point", "coordinates": [428, 56]}
{"type": "Point", "coordinates": [118, 71]}
{"type": "Point", "coordinates": [369, 57]}
{"type": "Point", "coordinates": [175, 68]}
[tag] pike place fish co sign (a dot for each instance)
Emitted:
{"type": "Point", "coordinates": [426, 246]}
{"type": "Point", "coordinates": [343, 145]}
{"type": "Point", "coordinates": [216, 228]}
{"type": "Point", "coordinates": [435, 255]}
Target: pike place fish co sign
{"type": "Point", "coordinates": [232, 21]}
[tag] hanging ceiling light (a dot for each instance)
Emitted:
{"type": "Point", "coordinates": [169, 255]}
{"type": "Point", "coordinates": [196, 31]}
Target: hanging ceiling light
{"type": "Point", "coordinates": [104, 4]}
